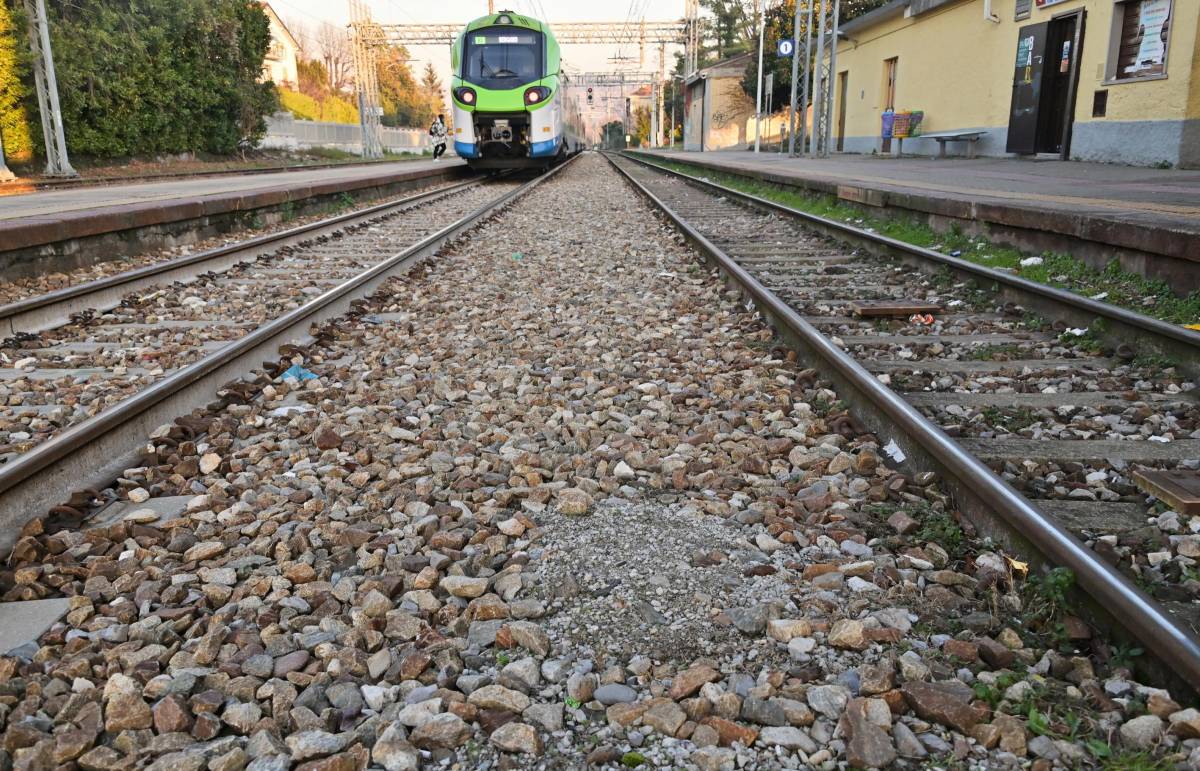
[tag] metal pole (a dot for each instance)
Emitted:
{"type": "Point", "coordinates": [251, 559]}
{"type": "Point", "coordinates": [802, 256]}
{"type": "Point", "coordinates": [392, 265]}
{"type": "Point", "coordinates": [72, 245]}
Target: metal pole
{"type": "Point", "coordinates": [818, 101]}
{"type": "Point", "coordinates": [654, 118]}
{"type": "Point", "coordinates": [671, 128]}
{"type": "Point", "coordinates": [762, 30]}
{"type": "Point", "coordinates": [57, 164]}
{"type": "Point", "coordinates": [805, 80]}
{"type": "Point", "coordinates": [795, 83]}
{"type": "Point", "coordinates": [833, 78]}
{"type": "Point", "coordinates": [5, 174]}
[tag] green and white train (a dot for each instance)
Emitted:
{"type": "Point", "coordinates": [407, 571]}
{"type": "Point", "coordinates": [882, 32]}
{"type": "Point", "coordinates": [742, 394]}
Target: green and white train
{"type": "Point", "coordinates": [510, 105]}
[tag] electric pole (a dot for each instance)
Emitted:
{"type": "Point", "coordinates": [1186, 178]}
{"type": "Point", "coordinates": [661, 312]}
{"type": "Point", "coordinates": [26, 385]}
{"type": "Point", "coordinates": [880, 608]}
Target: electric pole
{"type": "Point", "coordinates": [762, 28]}
{"type": "Point", "coordinates": [818, 100]}
{"type": "Point", "coordinates": [57, 164]}
{"type": "Point", "coordinates": [807, 69]}
{"type": "Point", "coordinates": [795, 83]}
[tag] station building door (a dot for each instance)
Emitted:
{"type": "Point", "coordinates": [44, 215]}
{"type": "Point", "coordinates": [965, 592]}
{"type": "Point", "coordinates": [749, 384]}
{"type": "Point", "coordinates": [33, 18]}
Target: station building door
{"type": "Point", "coordinates": [1045, 78]}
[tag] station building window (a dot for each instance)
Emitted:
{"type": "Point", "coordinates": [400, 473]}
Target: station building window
{"type": "Point", "coordinates": [1140, 39]}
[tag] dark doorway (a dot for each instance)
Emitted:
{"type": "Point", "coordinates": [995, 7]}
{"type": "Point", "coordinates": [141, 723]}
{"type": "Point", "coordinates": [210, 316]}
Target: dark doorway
{"type": "Point", "coordinates": [889, 93]}
{"type": "Point", "coordinates": [1045, 77]}
{"type": "Point", "coordinates": [843, 78]}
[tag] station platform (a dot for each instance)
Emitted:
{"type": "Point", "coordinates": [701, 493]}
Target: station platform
{"type": "Point", "coordinates": [1148, 218]}
{"type": "Point", "coordinates": [50, 218]}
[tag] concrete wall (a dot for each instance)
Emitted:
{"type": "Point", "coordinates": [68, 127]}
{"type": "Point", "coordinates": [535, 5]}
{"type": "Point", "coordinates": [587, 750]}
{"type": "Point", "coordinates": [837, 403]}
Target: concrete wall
{"type": "Point", "coordinates": [284, 132]}
{"type": "Point", "coordinates": [723, 109]}
{"type": "Point", "coordinates": [957, 67]}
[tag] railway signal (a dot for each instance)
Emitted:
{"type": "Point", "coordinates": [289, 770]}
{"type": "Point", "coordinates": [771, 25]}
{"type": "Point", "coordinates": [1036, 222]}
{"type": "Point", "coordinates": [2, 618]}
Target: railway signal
{"type": "Point", "coordinates": [590, 96]}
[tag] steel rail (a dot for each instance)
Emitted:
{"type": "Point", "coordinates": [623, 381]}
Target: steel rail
{"type": "Point", "coordinates": [93, 453]}
{"type": "Point", "coordinates": [1180, 341]}
{"type": "Point", "coordinates": [1022, 522]}
{"type": "Point", "coordinates": [52, 309]}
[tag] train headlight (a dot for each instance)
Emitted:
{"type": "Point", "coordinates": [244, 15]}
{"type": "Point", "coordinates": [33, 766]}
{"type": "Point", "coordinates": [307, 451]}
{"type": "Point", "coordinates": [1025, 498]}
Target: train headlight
{"type": "Point", "coordinates": [536, 95]}
{"type": "Point", "coordinates": [466, 96]}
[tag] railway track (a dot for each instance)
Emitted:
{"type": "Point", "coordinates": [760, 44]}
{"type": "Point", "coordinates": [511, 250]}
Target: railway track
{"type": "Point", "coordinates": [90, 370]}
{"type": "Point", "coordinates": [1038, 434]}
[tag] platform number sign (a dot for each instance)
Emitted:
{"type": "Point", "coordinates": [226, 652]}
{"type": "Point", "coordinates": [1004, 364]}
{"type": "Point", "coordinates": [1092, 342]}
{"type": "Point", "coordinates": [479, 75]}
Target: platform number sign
{"type": "Point", "coordinates": [785, 48]}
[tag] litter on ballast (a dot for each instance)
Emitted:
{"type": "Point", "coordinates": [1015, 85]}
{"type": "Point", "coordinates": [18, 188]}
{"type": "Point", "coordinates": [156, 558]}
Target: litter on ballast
{"type": "Point", "coordinates": [1029, 262]}
{"type": "Point", "coordinates": [298, 373]}
{"type": "Point", "coordinates": [894, 452]}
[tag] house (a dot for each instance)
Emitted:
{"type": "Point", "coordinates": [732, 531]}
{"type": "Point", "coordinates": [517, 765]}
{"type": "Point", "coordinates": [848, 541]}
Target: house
{"type": "Point", "coordinates": [280, 63]}
{"type": "Point", "coordinates": [1079, 79]}
{"type": "Point", "coordinates": [717, 113]}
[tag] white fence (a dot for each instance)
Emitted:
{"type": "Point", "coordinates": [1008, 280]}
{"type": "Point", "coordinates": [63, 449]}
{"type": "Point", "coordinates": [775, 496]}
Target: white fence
{"type": "Point", "coordinates": [285, 132]}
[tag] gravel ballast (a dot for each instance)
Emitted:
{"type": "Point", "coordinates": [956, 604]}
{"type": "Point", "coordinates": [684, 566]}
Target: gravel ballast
{"type": "Point", "coordinates": [554, 499]}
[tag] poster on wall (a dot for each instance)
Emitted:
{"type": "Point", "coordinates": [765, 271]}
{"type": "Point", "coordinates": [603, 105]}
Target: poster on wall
{"type": "Point", "coordinates": [1153, 16]}
{"type": "Point", "coordinates": [1045, 3]}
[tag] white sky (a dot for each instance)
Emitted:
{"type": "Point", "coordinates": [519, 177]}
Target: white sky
{"type": "Point", "coordinates": [579, 58]}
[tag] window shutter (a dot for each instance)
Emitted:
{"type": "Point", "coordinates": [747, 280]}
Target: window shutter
{"type": "Point", "coordinates": [1133, 45]}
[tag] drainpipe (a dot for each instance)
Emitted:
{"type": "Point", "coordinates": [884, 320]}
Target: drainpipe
{"type": "Point", "coordinates": [987, 12]}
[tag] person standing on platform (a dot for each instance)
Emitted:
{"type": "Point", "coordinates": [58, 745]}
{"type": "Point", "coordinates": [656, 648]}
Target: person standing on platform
{"type": "Point", "coordinates": [438, 132]}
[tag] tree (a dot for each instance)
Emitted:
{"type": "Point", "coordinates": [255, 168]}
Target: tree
{"type": "Point", "coordinates": [336, 55]}
{"type": "Point", "coordinates": [312, 78]}
{"type": "Point", "coordinates": [779, 22]}
{"type": "Point", "coordinates": [730, 33]}
{"type": "Point", "coordinates": [612, 135]}
{"type": "Point", "coordinates": [405, 103]}
{"type": "Point", "coordinates": [432, 85]}
{"type": "Point", "coordinates": [641, 126]}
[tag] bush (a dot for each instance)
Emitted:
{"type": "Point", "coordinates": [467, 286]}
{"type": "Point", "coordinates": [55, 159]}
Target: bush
{"type": "Point", "coordinates": [14, 68]}
{"type": "Point", "coordinates": [143, 77]}
{"type": "Point", "coordinates": [331, 108]}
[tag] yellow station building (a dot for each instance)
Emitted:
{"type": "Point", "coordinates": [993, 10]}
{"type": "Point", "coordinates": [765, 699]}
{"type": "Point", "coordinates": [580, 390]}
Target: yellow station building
{"type": "Point", "coordinates": [1082, 79]}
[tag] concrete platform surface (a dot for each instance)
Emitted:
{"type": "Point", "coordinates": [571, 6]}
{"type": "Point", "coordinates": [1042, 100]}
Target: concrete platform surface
{"type": "Point", "coordinates": [1165, 197]}
{"type": "Point", "coordinates": [24, 622]}
{"type": "Point", "coordinates": [50, 202]}
{"type": "Point", "coordinates": [1154, 211]}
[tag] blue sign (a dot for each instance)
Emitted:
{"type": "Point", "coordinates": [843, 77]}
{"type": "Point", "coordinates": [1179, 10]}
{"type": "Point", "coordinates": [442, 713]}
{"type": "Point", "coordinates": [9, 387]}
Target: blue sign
{"type": "Point", "coordinates": [786, 48]}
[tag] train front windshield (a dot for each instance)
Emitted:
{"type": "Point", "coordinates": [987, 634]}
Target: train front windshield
{"type": "Point", "coordinates": [502, 58]}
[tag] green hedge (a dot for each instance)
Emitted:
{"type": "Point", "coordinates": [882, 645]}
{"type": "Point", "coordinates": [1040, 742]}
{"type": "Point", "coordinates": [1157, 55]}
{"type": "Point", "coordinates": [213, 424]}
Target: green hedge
{"type": "Point", "coordinates": [143, 77]}
{"type": "Point", "coordinates": [14, 117]}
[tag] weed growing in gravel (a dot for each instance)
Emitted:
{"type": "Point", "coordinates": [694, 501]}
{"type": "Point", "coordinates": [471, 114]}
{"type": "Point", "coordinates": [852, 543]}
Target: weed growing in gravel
{"type": "Point", "coordinates": [632, 759]}
{"type": "Point", "coordinates": [1153, 361]}
{"type": "Point", "coordinates": [1033, 320]}
{"type": "Point", "coordinates": [1091, 340]}
{"type": "Point", "coordinates": [1046, 602]}
{"type": "Point", "coordinates": [1113, 284]}
{"type": "Point", "coordinates": [1136, 761]}
{"type": "Point", "coordinates": [1123, 655]}
{"type": "Point", "coordinates": [993, 694]}
{"type": "Point", "coordinates": [996, 352]}
{"type": "Point", "coordinates": [1016, 419]}
{"type": "Point", "coordinates": [940, 528]}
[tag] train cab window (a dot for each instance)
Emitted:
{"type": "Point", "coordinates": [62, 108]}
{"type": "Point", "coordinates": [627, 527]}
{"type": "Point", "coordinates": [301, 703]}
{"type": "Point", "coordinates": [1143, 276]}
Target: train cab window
{"type": "Point", "coordinates": [502, 57]}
